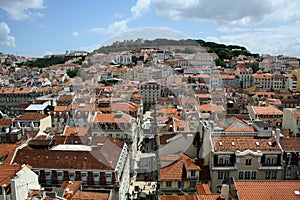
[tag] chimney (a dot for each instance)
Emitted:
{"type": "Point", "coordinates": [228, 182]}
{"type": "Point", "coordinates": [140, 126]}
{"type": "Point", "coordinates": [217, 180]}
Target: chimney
{"type": "Point", "coordinates": [89, 140]}
{"type": "Point", "coordinates": [277, 135]}
{"type": "Point", "coordinates": [224, 192]}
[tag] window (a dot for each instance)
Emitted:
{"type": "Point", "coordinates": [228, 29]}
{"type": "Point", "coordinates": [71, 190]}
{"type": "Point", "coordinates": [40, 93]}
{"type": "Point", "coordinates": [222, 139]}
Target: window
{"type": "Point", "coordinates": [226, 161]}
{"type": "Point", "coordinates": [226, 175]}
{"type": "Point", "coordinates": [72, 176]}
{"type": "Point", "coordinates": [96, 177]}
{"type": "Point", "coordinates": [247, 174]}
{"type": "Point", "coordinates": [268, 175]}
{"type": "Point", "coordinates": [268, 161]}
{"type": "Point", "coordinates": [108, 177]}
{"type": "Point", "coordinates": [274, 174]}
{"type": "Point", "coordinates": [59, 175]}
{"type": "Point", "coordinates": [169, 184]}
{"type": "Point", "coordinates": [84, 176]}
{"type": "Point", "coordinates": [193, 184]}
{"type": "Point", "coordinates": [193, 173]}
{"type": "Point", "coordinates": [288, 157]}
{"type": "Point", "coordinates": [221, 161]}
{"type": "Point", "coordinates": [248, 161]}
{"type": "Point", "coordinates": [220, 175]}
{"type": "Point", "coordinates": [48, 175]}
{"type": "Point", "coordinates": [180, 184]}
{"type": "Point", "coordinates": [241, 175]}
{"type": "Point", "coordinates": [253, 175]}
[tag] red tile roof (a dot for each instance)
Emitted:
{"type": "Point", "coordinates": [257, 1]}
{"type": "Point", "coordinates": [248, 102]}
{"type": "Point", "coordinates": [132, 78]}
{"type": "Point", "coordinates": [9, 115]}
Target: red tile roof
{"type": "Point", "coordinates": [7, 172]}
{"type": "Point", "coordinates": [105, 157]}
{"type": "Point", "coordinates": [8, 150]}
{"type": "Point", "coordinates": [31, 116]}
{"type": "Point", "coordinates": [242, 143]}
{"type": "Point", "coordinates": [5, 122]}
{"type": "Point", "coordinates": [266, 110]}
{"type": "Point", "coordinates": [261, 190]}
{"type": "Point", "coordinates": [290, 144]}
{"type": "Point", "coordinates": [174, 171]}
{"type": "Point", "coordinates": [80, 131]}
{"type": "Point", "coordinates": [192, 197]}
{"type": "Point", "coordinates": [66, 98]}
{"type": "Point", "coordinates": [111, 118]}
{"type": "Point", "coordinates": [207, 108]}
{"type": "Point", "coordinates": [203, 189]}
{"type": "Point", "coordinates": [84, 195]}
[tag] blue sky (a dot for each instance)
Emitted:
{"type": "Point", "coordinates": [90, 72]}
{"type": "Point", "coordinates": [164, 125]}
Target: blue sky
{"type": "Point", "coordinates": [40, 27]}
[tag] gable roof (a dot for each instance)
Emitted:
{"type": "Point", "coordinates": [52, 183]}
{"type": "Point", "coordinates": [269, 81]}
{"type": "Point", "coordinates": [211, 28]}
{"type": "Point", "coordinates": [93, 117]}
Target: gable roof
{"type": "Point", "coordinates": [174, 171]}
{"type": "Point", "coordinates": [233, 124]}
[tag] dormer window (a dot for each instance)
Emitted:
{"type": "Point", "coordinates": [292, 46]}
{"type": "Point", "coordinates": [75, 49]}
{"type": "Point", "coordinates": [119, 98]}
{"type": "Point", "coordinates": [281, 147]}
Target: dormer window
{"type": "Point", "coordinates": [248, 160]}
{"type": "Point", "coordinates": [193, 173]}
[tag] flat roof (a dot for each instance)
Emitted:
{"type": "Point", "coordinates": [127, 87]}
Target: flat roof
{"type": "Point", "coordinates": [33, 107]}
{"type": "Point", "coordinates": [72, 147]}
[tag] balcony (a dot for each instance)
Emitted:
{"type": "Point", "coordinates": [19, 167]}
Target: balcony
{"type": "Point", "coordinates": [224, 166]}
{"type": "Point", "coordinates": [195, 177]}
{"type": "Point", "coordinates": [270, 166]}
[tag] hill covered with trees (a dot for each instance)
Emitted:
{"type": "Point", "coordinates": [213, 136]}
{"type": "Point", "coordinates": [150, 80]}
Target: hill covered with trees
{"type": "Point", "coordinates": [179, 46]}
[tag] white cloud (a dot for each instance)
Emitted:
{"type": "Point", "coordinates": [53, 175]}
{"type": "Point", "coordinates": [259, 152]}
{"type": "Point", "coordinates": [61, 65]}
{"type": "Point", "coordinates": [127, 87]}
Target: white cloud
{"type": "Point", "coordinates": [139, 8]}
{"type": "Point", "coordinates": [114, 28]}
{"type": "Point", "coordinates": [246, 12]}
{"type": "Point", "coordinates": [75, 34]}
{"type": "Point", "coordinates": [120, 26]}
{"type": "Point", "coordinates": [6, 40]}
{"type": "Point", "coordinates": [276, 40]}
{"type": "Point", "coordinates": [22, 9]}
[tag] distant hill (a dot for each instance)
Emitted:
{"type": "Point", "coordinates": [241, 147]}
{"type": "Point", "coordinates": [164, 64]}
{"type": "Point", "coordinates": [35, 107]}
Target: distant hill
{"type": "Point", "coordinates": [179, 46]}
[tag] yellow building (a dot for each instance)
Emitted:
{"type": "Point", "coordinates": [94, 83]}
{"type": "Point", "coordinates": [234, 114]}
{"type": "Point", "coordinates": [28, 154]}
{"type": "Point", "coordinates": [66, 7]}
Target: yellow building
{"type": "Point", "coordinates": [296, 73]}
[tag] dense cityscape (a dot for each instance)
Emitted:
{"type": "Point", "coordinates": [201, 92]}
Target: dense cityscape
{"type": "Point", "coordinates": [145, 119]}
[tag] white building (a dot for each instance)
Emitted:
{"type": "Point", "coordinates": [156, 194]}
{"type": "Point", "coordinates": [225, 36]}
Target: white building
{"type": "Point", "coordinates": [16, 181]}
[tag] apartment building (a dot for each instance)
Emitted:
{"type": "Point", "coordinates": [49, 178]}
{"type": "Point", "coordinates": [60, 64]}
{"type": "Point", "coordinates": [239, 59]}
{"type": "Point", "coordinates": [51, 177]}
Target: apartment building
{"type": "Point", "coordinates": [32, 121]}
{"type": "Point", "coordinates": [15, 96]}
{"type": "Point", "coordinates": [151, 91]}
{"type": "Point", "coordinates": [99, 162]}
{"type": "Point", "coordinates": [266, 113]}
{"type": "Point", "coordinates": [291, 157]}
{"type": "Point", "coordinates": [244, 158]}
{"type": "Point", "coordinates": [245, 76]}
{"type": "Point", "coordinates": [263, 81]}
{"type": "Point", "coordinates": [291, 120]}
